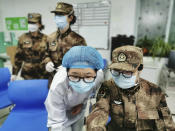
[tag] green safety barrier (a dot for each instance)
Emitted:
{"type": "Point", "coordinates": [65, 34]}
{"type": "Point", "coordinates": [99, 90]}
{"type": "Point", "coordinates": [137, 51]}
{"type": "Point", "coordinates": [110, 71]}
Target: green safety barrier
{"type": "Point", "coordinates": [1, 63]}
{"type": "Point", "coordinates": [4, 44]}
{"type": "Point", "coordinates": [13, 39]}
{"type": "Point", "coordinates": [1, 38]}
{"type": "Point", "coordinates": [2, 49]}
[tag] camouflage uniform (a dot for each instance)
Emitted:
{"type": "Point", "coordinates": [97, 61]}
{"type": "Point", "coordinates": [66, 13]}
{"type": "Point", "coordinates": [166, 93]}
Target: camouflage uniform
{"type": "Point", "coordinates": [139, 108]}
{"type": "Point", "coordinates": [30, 53]}
{"type": "Point", "coordinates": [58, 44]}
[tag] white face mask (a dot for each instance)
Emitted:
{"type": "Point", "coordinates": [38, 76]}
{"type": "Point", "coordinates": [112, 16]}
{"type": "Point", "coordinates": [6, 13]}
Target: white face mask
{"type": "Point", "coordinates": [61, 21]}
{"type": "Point", "coordinates": [124, 83]}
{"type": "Point", "coordinates": [33, 27]}
{"type": "Point", "coordinates": [81, 86]}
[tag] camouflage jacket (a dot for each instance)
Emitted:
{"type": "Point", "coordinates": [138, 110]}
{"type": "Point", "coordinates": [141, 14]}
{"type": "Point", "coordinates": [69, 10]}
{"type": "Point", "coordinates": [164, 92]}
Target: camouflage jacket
{"type": "Point", "coordinates": [29, 55]}
{"type": "Point", "coordinates": [142, 108]}
{"type": "Point", "coordinates": [58, 44]}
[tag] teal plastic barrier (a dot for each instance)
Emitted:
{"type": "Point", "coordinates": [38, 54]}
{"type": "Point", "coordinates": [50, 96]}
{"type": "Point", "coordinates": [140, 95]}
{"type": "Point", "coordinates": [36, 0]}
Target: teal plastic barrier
{"type": "Point", "coordinates": [13, 38]}
{"type": "Point", "coordinates": [4, 44]}
{"type": "Point", "coordinates": [1, 38]}
{"type": "Point", "coordinates": [1, 63]}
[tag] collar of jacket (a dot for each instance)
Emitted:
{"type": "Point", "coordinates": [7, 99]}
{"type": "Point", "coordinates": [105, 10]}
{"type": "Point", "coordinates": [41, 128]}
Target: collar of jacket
{"type": "Point", "coordinates": [131, 91]}
{"type": "Point", "coordinates": [39, 36]}
{"type": "Point", "coordinates": [64, 34]}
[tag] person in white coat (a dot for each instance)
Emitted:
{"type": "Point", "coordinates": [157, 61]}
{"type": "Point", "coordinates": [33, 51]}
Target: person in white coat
{"type": "Point", "coordinates": [80, 74]}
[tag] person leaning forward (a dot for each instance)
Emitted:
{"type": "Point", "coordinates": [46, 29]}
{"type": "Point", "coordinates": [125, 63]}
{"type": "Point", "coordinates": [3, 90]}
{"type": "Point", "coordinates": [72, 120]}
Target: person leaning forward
{"type": "Point", "coordinates": [31, 50]}
{"type": "Point", "coordinates": [63, 39]}
{"type": "Point", "coordinates": [134, 104]}
{"type": "Point", "coordinates": [80, 74]}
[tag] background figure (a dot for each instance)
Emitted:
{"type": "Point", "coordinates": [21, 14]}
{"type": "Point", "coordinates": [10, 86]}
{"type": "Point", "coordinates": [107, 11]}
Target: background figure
{"type": "Point", "coordinates": [71, 87]}
{"type": "Point", "coordinates": [30, 51]}
{"type": "Point", "coordinates": [133, 103]}
{"type": "Point", "coordinates": [63, 39]}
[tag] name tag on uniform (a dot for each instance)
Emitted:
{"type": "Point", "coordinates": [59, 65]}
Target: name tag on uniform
{"type": "Point", "coordinates": [117, 102]}
{"type": "Point", "coordinates": [53, 43]}
{"type": "Point", "coordinates": [26, 42]}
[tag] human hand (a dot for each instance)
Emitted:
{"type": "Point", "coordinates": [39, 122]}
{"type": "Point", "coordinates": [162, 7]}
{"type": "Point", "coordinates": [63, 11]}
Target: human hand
{"type": "Point", "coordinates": [13, 77]}
{"type": "Point", "coordinates": [50, 67]}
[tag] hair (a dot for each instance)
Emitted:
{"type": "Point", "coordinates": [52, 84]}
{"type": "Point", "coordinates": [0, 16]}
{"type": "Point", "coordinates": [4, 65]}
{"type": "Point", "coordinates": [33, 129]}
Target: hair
{"type": "Point", "coordinates": [74, 18]}
{"type": "Point", "coordinates": [140, 67]}
{"type": "Point", "coordinates": [42, 26]}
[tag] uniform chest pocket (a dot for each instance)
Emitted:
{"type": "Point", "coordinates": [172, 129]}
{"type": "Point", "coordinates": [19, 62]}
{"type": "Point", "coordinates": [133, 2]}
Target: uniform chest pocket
{"type": "Point", "coordinates": [117, 109]}
{"type": "Point", "coordinates": [43, 44]}
{"type": "Point", "coordinates": [27, 44]}
{"type": "Point", "coordinates": [53, 46]}
{"type": "Point", "coordinates": [40, 46]}
{"type": "Point", "coordinates": [117, 113]}
{"type": "Point", "coordinates": [148, 114]}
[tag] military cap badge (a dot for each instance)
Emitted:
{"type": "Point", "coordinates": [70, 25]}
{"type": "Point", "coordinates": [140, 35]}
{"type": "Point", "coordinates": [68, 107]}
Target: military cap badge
{"type": "Point", "coordinates": [59, 6]}
{"type": "Point", "coordinates": [121, 57]}
{"type": "Point", "coordinates": [30, 16]}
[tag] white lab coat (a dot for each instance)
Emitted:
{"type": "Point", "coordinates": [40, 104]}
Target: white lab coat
{"type": "Point", "coordinates": [62, 98]}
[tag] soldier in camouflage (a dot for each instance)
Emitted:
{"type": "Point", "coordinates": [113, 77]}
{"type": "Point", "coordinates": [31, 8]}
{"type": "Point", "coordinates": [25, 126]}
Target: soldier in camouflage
{"type": "Point", "coordinates": [31, 50]}
{"type": "Point", "coordinates": [63, 39]}
{"type": "Point", "coordinates": [134, 104]}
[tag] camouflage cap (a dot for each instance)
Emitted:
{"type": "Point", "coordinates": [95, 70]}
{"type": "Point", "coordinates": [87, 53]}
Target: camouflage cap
{"type": "Point", "coordinates": [34, 17]}
{"type": "Point", "coordinates": [126, 58]}
{"type": "Point", "coordinates": [63, 8]}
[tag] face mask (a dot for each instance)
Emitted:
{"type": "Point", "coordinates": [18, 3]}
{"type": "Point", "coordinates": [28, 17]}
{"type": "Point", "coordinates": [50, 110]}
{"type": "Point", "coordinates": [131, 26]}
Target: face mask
{"type": "Point", "coordinates": [61, 21]}
{"type": "Point", "coordinates": [33, 27]}
{"type": "Point", "coordinates": [81, 87]}
{"type": "Point", "coordinates": [123, 82]}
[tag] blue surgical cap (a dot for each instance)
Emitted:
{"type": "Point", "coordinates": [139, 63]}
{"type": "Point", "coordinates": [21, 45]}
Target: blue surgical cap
{"type": "Point", "coordinates": [83, 57]}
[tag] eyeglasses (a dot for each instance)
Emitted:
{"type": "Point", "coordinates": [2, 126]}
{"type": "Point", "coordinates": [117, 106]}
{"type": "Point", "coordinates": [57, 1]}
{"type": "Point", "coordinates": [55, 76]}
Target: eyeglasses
{"type": "Point", "coordinates": [87, 79]}
{"type": "Point", "coordinates": [126, 74]}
